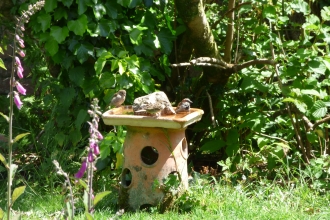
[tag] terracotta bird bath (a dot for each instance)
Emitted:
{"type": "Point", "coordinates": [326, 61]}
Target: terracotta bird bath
{"type": "Point", "coordinates": [154, 148]}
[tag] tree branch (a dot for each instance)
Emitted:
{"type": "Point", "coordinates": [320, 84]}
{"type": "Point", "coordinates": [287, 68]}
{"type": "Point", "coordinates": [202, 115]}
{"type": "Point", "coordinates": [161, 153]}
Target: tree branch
{"type": "Point", "coordinates": [230, 31]}
{"type": "Point", "coordinates": [218, 63]}
{"type": "Point", "coordinates": [239, 67]}
{"type": "Point", "coordinates": [312, 126]}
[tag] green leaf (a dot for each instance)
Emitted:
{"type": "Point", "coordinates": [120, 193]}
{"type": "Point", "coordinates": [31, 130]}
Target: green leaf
{"type": "Point", "coordinates": [2, 214]}
{"type": "Point", "coordinates": [85, 50]}
{"type": "Point", "coordinates": [319, 109]}
{"type": "Point", "coordinates": [114, 65]}
{"type": "Point", "coordinates": [231, 150]}
{"type": "Point", "coordinates": [269, 12]}
{"type": "Point", "coordinates": [83, 183]}
{"type": "Point", "coordinates": [300, 105]}
{"type": "Point", "coordinates": [165, 38]}
{"type": "Point", "coordinates": [51, 46]}
{"type": "Point", "coordinates": [98, 197]}
{"type": "Point", "coordinates": [75, 136]}
{"type": "Point", "coordinates": [89, 85]}
{"type": "Point", "coordinates": [107, 80]}
{"type": "Point", "coordinates": [82, 6]}
{"type": "Point", "coordinates": [60, 138]}
{"type": "Point", "coordinates": [122, 54]}
{"type": "Point", "coordinates": [112, 9]}
{"type": "Point", "coordinates": [77, 75]}
{"type": "Point", "coordinates": [316, 66]}
{"type": "Point", "coordinates": [310, 92]}
{"type": "Point", "coordinates": [99, 11]}
{"type": "Point", "coordinates": [232, 137]}
{"type": "Point", "coordinates": [67, 3]}
{"type": "Point", "coordinates": [66, 97]}
{"type": "Point", "coordinates": [300, 6]}
{"type": "Point", "coordinates": [126, 3]}
{"type": "Point", "coordinates": [122, 66]}
{"type": "Point", "coordinates": [85, 200]}
{"type": "Point", "coordinates": [99, 64]}
{"type": "Point", "coordinates": [104, 27]}
{"type": "Point", "coordinates": [58, 33]}
{"type": "Point", "coordinates": [20, 136]}
{"type": "Point", "coordinates": [13, 168]}
{"type": "Point", "coordinates": [88, 216]}
{"type": "Point", "coordinates": [142, 48]}
{"type": "Point", "coordinates": [213, 145]}
{"type": "Point", "coordinates": [4, 116]}
{"type": "Point", "coordinates": [60, 13]}
{"type": "Point", "coordinates": [3, 160]}
{"type": "Point", "coordinates": [69, 209]}
{"type": "Point", "coordinates": [78, 26]}
{"type": "Point", "coordinates": [17, 193]}
{"type": "Point", "coordinates": [2, 64]}
{"type": "Point", "coordinates": [135, 34]}
{"type": "Point", "coordinates": [50, 5]}
{"type": "Point", "coordinates": [44, 20]}
{"type": "Point", "coordinates": [325, 13]}
{"type": "Point", "coordinates": [81, 118]}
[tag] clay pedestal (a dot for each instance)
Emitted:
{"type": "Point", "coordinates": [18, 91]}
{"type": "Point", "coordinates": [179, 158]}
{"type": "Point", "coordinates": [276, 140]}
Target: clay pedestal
{"type": "Point", "coordinates": [154, 148]}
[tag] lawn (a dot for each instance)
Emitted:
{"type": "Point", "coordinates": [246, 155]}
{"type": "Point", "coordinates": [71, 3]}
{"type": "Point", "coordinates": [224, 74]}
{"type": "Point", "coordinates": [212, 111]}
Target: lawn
{"type": "Point", "coordinates": [203, 200]}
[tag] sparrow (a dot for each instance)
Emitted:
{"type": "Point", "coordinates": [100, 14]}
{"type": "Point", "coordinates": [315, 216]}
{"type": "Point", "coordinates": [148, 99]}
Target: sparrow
{"type": "Point", "coordinates": [118, 99]}
{"type": "Point", "coordinates": [184, 105]}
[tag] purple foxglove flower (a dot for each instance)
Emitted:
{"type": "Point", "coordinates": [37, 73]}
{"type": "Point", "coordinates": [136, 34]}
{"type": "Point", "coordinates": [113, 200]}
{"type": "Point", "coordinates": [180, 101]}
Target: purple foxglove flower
{"type": "Point", "coordinates": [20, 88]}
{"type": "Point", "coordinates": [21, 43]}
{"type": "Point", "coordinates": [18, 38]}
{"type": "Point", "coordinates": [90, 156]}
{"type": "Point", "coordinates": [17, 100]}
{"type": "Point", "coordinates": [18, 61]}
{"type": "Point", "coordinates": [21, 53]}
{"type": "Point", "coordinates": [20, 72]}
{"type": "Point", "coordinates": [96, 149]}
{"type": "Point", "coordinates": [99, 135]}
{"type": "Point", "coordinates": [91, 143]}
{"type": "Point", "coordinates": [82, 170]}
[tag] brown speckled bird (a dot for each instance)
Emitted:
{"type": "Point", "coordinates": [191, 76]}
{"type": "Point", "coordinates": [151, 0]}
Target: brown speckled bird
{"type": "Point", "coordinates": [118, 99]}
{"type": "Point", "coordinates": [183, 106]}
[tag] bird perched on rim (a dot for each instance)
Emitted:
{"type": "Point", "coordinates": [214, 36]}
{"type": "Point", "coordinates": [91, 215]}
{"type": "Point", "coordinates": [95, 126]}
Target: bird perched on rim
{"type": "Point", "coordinates": [184, 105]}
{"type": "Point", "coordinates": [118, 99]}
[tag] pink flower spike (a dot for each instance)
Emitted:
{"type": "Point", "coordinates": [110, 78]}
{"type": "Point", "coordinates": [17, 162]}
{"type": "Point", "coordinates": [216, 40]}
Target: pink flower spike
{"type": "Point", "coordinates": [96, 149]}
{"type": "Point", "coordinates": [18, 61]}
{"type": "Point", "coordinates": [90, 156]}
{"type": "Point", "coordinates": [17, 37]}
{"type": "Point", "coordinates": [20, 88]}
{"type": "Point", "coordinates": [82, 170]}
{"type": "Point", "coordinates": [21, 43]}
{"type": "Point", "coordinates": [20, 72]}
{"type": "Point", "coordinates": [99, 135]}
{"type": "Point", "coordinates": [21, 53]}
{"type": "Point", "coordinates": [91, 143]}
{"type": "Point", "coordinates": [17, 100]}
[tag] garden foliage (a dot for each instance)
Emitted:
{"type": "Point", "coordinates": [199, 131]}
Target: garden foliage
{"type": "Point", "coordinates": [265, 117]}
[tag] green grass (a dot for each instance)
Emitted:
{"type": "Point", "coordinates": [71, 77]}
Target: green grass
{"type": "Point", "coordinates": [208, 201]}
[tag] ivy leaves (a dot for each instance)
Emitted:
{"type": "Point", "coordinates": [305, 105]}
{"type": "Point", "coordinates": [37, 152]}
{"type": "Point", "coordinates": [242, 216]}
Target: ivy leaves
{"type": "Point", "coordinates": [78, 26]}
